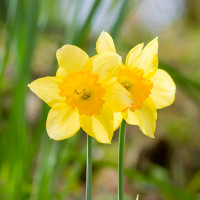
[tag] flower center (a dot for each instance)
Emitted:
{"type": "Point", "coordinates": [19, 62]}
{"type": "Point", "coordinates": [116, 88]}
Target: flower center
{"type": "Point", "coordinates": [82, 91]}
{"type": "Point", "coordinates": [126, 84]}
{"type": "Point", "coordinates": [136, 84]}
{"type": "Point", "coordinates": [83, 94]}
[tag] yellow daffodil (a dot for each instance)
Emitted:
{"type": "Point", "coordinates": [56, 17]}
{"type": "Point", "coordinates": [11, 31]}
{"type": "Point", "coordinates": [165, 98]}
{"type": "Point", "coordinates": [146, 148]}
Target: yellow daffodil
{"type": "Point", "coordinates": [150, 87]}
{"type": "Point", "coordinates": [82, 94]}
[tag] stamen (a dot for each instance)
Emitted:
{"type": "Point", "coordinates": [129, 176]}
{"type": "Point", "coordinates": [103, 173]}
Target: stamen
{"type": "Point", "coordinates": [77, 92]}
{"type": "Point", "coordinates": [126, 84]}
{"type": "Point", "coordinates": [84, 94]}
{"type": "Point", "coordinates": [136, 84]}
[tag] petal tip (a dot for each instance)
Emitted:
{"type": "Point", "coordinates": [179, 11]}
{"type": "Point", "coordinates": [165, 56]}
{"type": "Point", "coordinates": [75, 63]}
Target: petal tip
{"type": "Point", "coordinates": [148, 135]}
{"type": "Point", "coordinates": [153, 43]}
{"type": "Point", "coordinates": [104, 141]}
{"type": "Point", "coordinates": [53, 137]}
{"type": "Point", "coordinates": [31, 86]}
{"type": "Point", "coordinates": [108, 142]}
{"type": "Point", "coordinates": [155, 40]}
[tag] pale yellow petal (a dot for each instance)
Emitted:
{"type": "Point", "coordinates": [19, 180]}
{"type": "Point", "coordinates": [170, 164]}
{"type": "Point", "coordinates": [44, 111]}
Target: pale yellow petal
{"type": "Point", "coordinates": [62, 124]}
{"type": "Point", "coordinates": [99, 126]}
{"type": "Point", "coordinates": [117, 120]}
{"type": "Point", "coordinates": [61, 72]}
{"type": "Point", "coordinates": [131, 117]}
{"type": "Point", "coordinates": [47, 89]}
{"type": "Point", "coordinates": [164, 88]}
{"type": "Point", "coordinates": [106, 65]}
{"type": "Point", "coordinates": [105, 43]}
{"type": "Point", "coordinates": [70, 59]}
{"type": "Point", "coordinates": [148, 60]}
{"type": "Point", "coordinates": [117, 97]}
{"type": "Point", "coordinates": [133, 55]}
{"type": "Point", "coordinates": [145, 117]}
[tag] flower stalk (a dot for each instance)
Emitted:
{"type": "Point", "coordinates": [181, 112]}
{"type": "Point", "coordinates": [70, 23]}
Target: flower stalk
{"type": "Point", "coordinates": [122, 135]}
{"type": "Point", "coordinates": [89, 168]}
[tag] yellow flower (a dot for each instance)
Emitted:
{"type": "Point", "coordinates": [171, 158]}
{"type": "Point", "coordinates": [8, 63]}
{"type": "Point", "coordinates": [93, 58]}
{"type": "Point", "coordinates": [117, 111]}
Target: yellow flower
{"type": "Point", "coordinates": [82, 94]}
{"type": "Point", "coordinates": [151, 88]}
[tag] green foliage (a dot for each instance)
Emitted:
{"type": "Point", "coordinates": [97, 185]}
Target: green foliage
{"type": "Point", "coordinates": [31, 165]}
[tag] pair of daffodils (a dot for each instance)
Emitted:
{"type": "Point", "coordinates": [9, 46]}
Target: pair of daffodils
{"type": "Point", "coordinates": [97, 93]}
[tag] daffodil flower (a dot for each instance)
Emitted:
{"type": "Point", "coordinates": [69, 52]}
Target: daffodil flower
{"type": "Point", "coordinates": [82, 94]}
{"type": "Point", "coordinates": [151, 88]}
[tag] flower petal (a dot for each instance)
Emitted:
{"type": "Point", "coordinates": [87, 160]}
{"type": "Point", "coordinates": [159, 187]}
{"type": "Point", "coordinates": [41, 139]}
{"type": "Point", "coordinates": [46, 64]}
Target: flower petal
{"type": "Point", "coordinates": [62, 124]}
{"type": "Point", "coordinates": [70, 59]}
{"type": "Point", "coordinates": [117, 120]}
{"type": "Point", "coordinates": [47, 89]}
{"type": "Point", "coordinates": [145, 117]}
{"type": "Point", "coordinates": [106, 65]}
{"type": "Point", "coordinates": [148, 59]}
{"type": "Point", "coordinates": [117, 97]}
{"type": "Point", "coordinates": [164, 88]}
{"type": "Point", "coordinates": [99, 126]}
{"type": "Point", "coordinates": [105, 43]}
{"type": "Point", "coordinates": [133, 55]}
{"type": "Point", "coordinates": [131, 117]}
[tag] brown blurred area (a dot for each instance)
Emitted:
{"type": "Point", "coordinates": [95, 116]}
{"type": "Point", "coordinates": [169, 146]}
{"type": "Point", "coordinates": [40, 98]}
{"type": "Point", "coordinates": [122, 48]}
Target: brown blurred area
{"type": "Point", "coordinates": [172, 158]}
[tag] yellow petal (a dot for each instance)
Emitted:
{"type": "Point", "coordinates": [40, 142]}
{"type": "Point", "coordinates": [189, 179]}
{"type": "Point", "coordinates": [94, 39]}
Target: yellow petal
{"type": "Point", "coordinates": [117, 120]}
{"type": "Point", "coordinates": [145, 117]}
{"type": "Point", "coordinates": [47, 89]}
{"type": "Point", "coordinates": [148, 59]}
{"type": "Point", "coordinates": [117, 97]}
{"type": "Point", "coordinates": [164, 88]}
{"type": "Point", "coordinates": [99, 126]}
{"type": "Point", "coordinates": [131, 117]}
{"type": "Point", "coordinates": [106, 65]}
{"type": "Point", "coordinates": [133, 55]}
{"type": "Point", "coordinates": [105, 43]}
{"type": "Point", "coordinates": [62, 124]}
{"type": "Point", "coordinates": [70, 59]}
{"type": "Point", "coordinates": [61, 72]}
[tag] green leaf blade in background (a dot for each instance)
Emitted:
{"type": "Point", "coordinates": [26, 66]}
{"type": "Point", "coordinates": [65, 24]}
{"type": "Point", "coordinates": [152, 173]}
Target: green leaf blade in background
{"type": "Point", "coordinates": [34, 167]}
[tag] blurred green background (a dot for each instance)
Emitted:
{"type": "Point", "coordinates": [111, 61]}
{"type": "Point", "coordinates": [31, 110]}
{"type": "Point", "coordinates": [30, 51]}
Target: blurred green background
{"type": "Point", "coordinates": [34, 167]}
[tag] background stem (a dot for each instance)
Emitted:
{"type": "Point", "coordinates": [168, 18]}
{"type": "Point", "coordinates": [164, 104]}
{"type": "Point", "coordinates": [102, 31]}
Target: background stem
{"type": "Point", "coordinates": [122, 134]}
{"type": "Point", "coordinates": [89, 168]}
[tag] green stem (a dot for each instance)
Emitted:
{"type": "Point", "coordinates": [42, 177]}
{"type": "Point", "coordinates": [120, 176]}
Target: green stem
{"type": "Point", "coordinates": [122, 135]}
{"type": "Point", "coordinates": [89, 168]}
